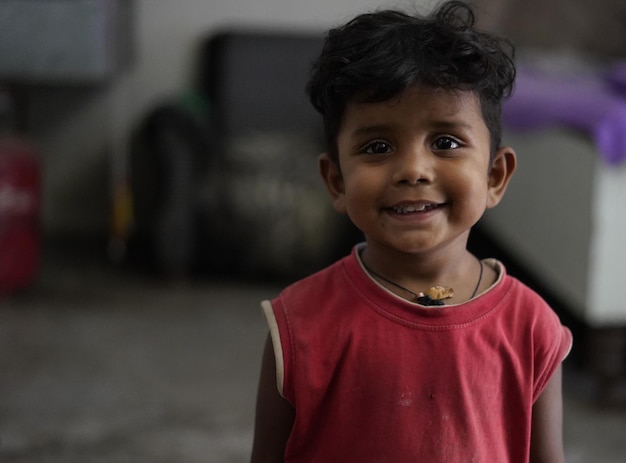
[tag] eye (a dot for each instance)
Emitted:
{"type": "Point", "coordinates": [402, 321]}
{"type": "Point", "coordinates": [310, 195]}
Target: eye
{"type": "Point", "coordinates": [446, 143]}
{"type": "Point", "coordinates": [377, 147]}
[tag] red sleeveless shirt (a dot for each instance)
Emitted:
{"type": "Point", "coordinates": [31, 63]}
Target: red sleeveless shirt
{"type": "Point", "coordinates": [375, 378]}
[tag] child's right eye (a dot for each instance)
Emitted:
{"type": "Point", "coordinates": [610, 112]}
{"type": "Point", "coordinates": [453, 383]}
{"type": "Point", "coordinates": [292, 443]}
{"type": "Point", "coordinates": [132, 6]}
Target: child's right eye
{"type": "Point", "coordinates": [377, 147]}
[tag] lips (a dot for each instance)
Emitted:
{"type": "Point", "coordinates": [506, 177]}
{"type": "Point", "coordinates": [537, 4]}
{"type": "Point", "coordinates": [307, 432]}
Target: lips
{"type": "Point", "coordinates": [411, 208]}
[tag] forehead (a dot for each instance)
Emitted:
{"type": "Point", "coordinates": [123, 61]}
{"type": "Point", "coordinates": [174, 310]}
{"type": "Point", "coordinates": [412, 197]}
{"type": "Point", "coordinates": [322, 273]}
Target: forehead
{"type": "Point", "coordinates": [417, 106]}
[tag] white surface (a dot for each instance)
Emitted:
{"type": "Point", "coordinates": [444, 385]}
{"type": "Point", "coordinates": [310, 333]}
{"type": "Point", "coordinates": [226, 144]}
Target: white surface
{"type": "Point", "coordinates": [607, 273]}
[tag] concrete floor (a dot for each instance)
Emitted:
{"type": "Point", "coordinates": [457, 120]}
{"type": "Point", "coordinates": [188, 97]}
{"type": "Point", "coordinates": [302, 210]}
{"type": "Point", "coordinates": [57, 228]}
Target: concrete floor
{"type": "Point", "coordinates": [103, 365]}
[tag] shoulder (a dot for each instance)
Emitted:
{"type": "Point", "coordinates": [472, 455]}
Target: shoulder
{"type": "Point", "coordinates": [523, 314]}
{"type": "Point", "coordinates": [518, 294]}
{"type": "Point", "coordinates": [321, 284]}
{"type": "Point", "coordinates": [530, 304]}
{"type": "Point", "coordinates": [529, 310]}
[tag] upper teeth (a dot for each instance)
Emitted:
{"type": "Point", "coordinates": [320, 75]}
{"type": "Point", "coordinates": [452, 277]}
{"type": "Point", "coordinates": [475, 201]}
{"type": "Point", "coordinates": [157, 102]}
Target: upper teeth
{"type": "Point", "coordinates": [413, 208]}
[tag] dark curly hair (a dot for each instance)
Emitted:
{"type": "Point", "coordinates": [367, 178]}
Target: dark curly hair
{"type": "Point", "coordinates": [376, 56]}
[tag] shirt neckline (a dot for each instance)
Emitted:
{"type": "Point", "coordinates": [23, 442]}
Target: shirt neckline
{"type": "Point", "coordinates": [390, 305]}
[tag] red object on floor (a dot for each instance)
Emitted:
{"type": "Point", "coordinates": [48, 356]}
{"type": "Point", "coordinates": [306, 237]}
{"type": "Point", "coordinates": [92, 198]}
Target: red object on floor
{"type": "Point", "coordinates": [20, 192]}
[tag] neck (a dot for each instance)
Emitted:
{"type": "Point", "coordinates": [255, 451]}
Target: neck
{"type": "Point", "coordinates": [425, 269]}
{"type": "Point", "coordinates": [410, 276]}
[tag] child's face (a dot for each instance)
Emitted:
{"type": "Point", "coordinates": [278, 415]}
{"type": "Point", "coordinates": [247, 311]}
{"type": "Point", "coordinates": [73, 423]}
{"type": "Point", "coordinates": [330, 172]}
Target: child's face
{"type": "Point", "coordinates": [415, 171]}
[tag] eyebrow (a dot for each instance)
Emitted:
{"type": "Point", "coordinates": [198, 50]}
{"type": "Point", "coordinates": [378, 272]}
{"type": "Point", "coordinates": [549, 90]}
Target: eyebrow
{"type": "Point", "coordinates": [441, 124]}
{"type": "Point", "coordinates": [370, 129]}
{"type": "Point", "coordinates": [454, 124]}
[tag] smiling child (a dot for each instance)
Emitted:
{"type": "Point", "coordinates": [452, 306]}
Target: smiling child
{"type": "Point", "coordinates": [411, 349]}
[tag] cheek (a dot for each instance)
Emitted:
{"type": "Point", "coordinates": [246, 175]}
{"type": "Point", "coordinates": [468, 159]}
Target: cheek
{"type": "Point", "coordinates": [363, 182]}
{"type": "Point", "coordinates": [470, 189]}
{"type": "Point", "coordinates": [358, 198]}
{"type": "Point", "coordinates": [362, 197]}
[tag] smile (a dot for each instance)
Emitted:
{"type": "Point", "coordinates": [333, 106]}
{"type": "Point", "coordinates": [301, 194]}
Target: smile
{"type": "Point", "coordinates": [411, 208]}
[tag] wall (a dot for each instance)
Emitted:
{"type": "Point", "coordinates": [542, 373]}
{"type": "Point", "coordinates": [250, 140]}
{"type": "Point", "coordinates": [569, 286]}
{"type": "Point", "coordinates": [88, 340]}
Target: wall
{"type": "Point", "coordinates": [82, 132]}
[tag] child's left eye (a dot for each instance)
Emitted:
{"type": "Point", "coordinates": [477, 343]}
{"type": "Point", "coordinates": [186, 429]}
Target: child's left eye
{"type": "Point", "coordinates": [446, 143]}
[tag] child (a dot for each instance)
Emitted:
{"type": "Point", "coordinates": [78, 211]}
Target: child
{"type": "Point", "coordinates": [411, 349]}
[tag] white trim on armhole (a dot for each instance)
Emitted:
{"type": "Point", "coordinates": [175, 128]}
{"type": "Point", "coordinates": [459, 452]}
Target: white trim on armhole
{"type": "Point", "coordinates": [276, 343]}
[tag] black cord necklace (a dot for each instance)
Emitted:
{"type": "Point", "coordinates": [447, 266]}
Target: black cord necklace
{"type": "Point", "coordinates": [422, 298]}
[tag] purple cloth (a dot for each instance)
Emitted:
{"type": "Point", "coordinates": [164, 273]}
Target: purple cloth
{"type": "Point", "coordinates": [592, 104]}
{"type": "Point", "coordinates": [616, 78]}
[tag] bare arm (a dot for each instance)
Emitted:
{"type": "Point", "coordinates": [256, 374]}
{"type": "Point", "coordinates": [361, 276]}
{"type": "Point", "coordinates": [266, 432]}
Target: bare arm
{"type": "Point", "coordinates": [274, 415]}
{"type": "Point", "coordinates": [546, 442]}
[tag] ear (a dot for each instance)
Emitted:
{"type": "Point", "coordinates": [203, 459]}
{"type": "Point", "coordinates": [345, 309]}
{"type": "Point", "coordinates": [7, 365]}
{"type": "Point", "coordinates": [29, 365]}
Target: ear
{"type": "Point", "coordinates": [502, 168]}
{"type": "Point", "coordinates": [331, 174]}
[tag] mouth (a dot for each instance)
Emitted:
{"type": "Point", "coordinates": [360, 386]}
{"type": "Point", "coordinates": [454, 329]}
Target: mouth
{"type": "Point", "coordinates": [412, 208]}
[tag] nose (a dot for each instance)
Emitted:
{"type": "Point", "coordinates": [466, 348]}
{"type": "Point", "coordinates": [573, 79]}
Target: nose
{"type": "Point", "coordinates": [414, 166]}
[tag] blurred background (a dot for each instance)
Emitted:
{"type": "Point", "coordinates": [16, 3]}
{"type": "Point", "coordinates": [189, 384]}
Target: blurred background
{"type": "Point", "coordinates": [154, 187]}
